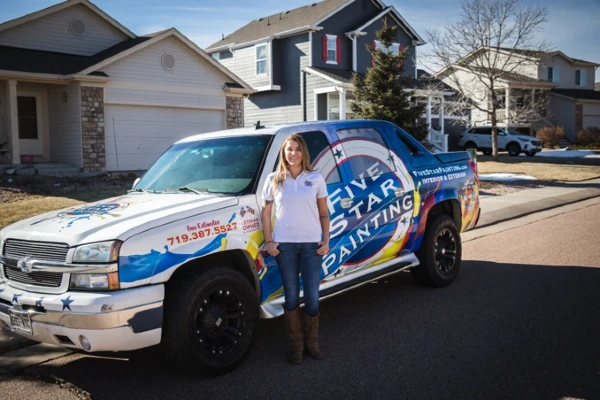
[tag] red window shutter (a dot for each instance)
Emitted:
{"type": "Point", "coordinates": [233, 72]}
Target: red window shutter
{"type": "Point", "coordinates": [400, 49]}
{"type": "Point", "coordinates": [374, 46]}
{"type": "Point", "coordinates": [324, 48]}
{"type": "Point", "coordinates": [338, 49]}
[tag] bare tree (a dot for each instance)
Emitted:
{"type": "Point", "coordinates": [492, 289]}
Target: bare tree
{"type": "Point", "coordinates": [494, 41]}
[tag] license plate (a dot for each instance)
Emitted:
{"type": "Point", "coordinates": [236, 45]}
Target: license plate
{"type": "Point", "coordinates": [20, 321]}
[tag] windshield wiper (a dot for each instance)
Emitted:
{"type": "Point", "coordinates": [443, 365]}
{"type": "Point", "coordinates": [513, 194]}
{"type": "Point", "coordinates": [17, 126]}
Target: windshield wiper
{"type": "Point", "coordinates": [188, 189]}
{"type": "Point", "coordinates": [140, 190]}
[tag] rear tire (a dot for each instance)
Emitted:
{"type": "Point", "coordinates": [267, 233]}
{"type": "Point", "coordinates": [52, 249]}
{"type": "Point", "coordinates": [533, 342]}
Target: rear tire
{"type": "Point", "coordinates": [513, 150]}
{"type": "Point", "coordinates": [470, 145]}
{"type": "Point", "coordinates": [210, 320]}
{"type": "Point", "coordinates": [440, 253]}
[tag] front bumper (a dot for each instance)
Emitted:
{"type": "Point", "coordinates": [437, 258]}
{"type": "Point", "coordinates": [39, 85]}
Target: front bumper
{"type": "Point", "coordinates": [110, 321]}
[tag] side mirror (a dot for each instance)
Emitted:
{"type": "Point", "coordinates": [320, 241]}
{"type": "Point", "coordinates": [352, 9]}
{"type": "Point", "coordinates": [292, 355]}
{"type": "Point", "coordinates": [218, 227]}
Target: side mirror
{"type": "Point", "coordinates": [135, 182]}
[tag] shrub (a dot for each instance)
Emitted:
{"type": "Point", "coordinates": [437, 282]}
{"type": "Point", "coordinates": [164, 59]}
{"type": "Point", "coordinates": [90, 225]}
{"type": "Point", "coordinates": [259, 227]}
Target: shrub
{"type": "Point", "coordinates": [550, 136]}
{"type": "Point", "coordinates": [588, 137]}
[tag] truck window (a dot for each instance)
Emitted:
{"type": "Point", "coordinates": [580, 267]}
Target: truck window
{"type": "Point", "coordinates": [361, 157]}
{"type": "Point", "coordinates": [321, 156]}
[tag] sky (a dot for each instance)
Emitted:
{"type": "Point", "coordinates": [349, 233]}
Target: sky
{"type": "Point", "coordinates": [572, 28]}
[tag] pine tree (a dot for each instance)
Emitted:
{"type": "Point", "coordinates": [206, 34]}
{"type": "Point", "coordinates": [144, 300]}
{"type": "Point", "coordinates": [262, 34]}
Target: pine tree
{"type": "Point", "coordinates": [382, 93]}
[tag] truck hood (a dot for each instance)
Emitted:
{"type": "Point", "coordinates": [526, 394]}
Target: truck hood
{"type": "Point", "coordinates": [114, 218]}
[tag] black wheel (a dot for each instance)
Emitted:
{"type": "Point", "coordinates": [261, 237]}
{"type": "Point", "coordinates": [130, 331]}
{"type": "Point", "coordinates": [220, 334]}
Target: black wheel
{"type": "Point", "coordinates": [210, 320]}
{"type": "Point", "coordinates": [487, 152]}
{"type": "Point", "coordinates": [530, 153]}
{"type": "Point", "coordinates": [513, 150]}
{"type": "Point", "coordinates": [440, 253]}
{"type": "Point", "coordinates": [470, 145]}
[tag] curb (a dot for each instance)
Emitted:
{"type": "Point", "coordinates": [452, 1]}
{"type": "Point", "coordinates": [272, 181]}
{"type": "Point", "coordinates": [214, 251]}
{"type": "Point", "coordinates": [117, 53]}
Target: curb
{"type": "Point", "coordinates": [517, 211]}
{"type": "Point", "coordinates": [30, 356]}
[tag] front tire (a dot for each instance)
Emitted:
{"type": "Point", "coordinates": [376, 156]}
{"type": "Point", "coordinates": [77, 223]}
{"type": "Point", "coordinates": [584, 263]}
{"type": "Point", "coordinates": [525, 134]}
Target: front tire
{"type": "Point", "coordinates": [440, 254]}
{"type": "Point", "coordinates": [513, 150]}
{"type": "Point", "coordinates": [470, 145]}
{"type": "Point", "coordinates": [210, 320]}
{"type": "Point", "coordinates": [487, 152]}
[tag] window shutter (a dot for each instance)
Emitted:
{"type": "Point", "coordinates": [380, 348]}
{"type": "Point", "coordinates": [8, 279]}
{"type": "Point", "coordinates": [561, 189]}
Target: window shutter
{"type": "Point", "coordinates": [325, 48]}
{"type": "Point", "coordinates": [549, 74]}
{"type": "Point", "coordinates": [338, 49]}
{"type": "Point", "coordinates": [400, 48]}
{"type": "Point", "coordinates": [577, 77]}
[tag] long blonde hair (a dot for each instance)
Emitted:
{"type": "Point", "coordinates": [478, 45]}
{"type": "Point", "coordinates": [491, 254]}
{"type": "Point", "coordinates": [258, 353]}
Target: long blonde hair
{"type": "Point", "coordinates": [283, 167]}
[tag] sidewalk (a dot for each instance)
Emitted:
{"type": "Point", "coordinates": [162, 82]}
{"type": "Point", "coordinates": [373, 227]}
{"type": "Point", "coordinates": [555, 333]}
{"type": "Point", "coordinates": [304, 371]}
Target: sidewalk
{"type": "Point", "coordinates": [495, 209]}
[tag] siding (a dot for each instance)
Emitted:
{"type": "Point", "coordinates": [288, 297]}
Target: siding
{"type": "Point", "coordinates": [315, 82]}
{"type": "Point", "coordinates": [566, 73]}
{"type": "Point", "coordinates": [65, 124]}
{"type": "Point", "coordinates": [476, 91]}
{"type": "Point", "coordinates": [562, 113]}
{"type": "Point", "coordinates": [244, 66]}
{"type": "Point", "coordinates": [591, 115]}
{"type": "Point", "coordinates": [3, 120]}
{"type": "Point", "coordinates": [141, 79]}
{"type": "Point", "coordinates": [364, 57]}
{"type": "Point", "coordinates": [348, 19]}
{"type": "Point", "coordinates": [52, 33]}
{"type": "Point", "coordinates": [283, 106]}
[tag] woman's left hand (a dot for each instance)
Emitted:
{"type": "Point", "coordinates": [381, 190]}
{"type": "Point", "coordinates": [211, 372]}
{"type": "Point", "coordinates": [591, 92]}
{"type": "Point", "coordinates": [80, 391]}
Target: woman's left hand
{"type": "Point", "coordinates": [323, 248]}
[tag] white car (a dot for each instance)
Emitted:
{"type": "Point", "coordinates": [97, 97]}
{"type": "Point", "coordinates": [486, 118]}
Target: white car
{"type": "Point", "coordinates": [511, 140]}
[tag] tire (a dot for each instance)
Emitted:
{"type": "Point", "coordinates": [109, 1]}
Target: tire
{"type": "Point", "coordinates": [439, 268]}
{"type": "Point", "coordinates": [513, 149]}
{"type": "Point", "coordinates": [530, 153]}
{"type": "Point", "coordinates": [210, 320]}
{"type": "Point", "coordinates": [487, 152]}
{"type": "Point", "coordinates": [470, 145]}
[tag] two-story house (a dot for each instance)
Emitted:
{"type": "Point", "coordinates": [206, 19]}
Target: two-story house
{"type": "Point", "coordinates": [300, 62]}
{"type": "Point", "coordinates": [79, 90]}
{"type": "Point", "coordinates": [532, 89]}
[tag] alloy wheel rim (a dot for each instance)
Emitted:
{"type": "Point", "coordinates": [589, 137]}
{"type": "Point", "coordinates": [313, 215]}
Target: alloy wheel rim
{"type": "Point", "coordinates": [220, 321]}
{"type": "Point", "coordinates": [445, 251]}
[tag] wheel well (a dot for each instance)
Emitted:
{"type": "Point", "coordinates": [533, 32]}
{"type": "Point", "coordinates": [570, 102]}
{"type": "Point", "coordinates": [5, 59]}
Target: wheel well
{"type": "Point", "coordinates": [470, 142]}
{"type": "Point", "coordinates": [511, 143]}
{"type": "Point", "coordinates": [236, 259]}
{"type": "Point", "coordinates": [450, 208]}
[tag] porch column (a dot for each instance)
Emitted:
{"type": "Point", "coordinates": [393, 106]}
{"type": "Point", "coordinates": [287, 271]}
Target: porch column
{"type": "Point", "coordinates": [428, 112]}
{"type": "Point", "coordinates": [12, 114]}
{"type": "Point", "coordinates": [507, 105]}
{"type": "Point", "coordinates": [441, 116]}
{"type": "Point", "coordinates": [316, 107]}
{"type": "Point", "coordinates": [342, 103]}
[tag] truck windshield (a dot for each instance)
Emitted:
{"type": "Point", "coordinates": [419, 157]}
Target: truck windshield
{"type": "Point", "coordinates": [221, 165]}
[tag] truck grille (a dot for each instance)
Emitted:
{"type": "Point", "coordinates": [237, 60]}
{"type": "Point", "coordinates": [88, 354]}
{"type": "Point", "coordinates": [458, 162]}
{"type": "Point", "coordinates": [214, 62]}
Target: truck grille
{"type": "Point", "coordinates": [46, 279]}
{"type": "Point", "coordinates": [40, 251]}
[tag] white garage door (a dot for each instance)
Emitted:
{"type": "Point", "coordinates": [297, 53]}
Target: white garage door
{"type": "Point", "coordinates": [136, 135]}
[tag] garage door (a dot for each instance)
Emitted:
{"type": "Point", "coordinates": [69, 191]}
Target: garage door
{"type": "Point", "coordinates": [136, 136]}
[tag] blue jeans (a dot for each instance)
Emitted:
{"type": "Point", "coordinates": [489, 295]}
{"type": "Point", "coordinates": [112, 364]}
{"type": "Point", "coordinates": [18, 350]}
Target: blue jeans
{"type": "Point", "coordinates": [292, 259]}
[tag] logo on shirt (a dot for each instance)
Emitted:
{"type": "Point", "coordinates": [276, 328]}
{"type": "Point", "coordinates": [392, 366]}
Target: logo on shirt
{"type": "Point", "coordinates": [307, 183]}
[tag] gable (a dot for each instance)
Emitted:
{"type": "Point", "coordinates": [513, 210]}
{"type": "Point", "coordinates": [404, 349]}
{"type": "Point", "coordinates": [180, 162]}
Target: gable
{"type": "Point", "coordinates": [53, 33]}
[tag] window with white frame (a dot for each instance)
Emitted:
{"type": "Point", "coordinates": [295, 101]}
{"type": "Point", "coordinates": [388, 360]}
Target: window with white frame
{"type": "Point", "coordinates": [261, 59]}
{"type": "Point", "coordinates": [580, 77]}
{"type": "Point", "coordinates": [394, 48]}
{"type": "Point", "coordinates": [331, 49]}
{"type": "Point", "coordinates": [553, 74]}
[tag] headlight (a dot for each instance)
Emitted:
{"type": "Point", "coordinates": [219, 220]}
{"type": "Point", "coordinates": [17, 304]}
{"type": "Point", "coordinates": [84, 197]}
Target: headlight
{"type": "Point", "coordinates": [108, 281]}
{"type": "Point", "coordinates": [102, 252]}
{"type": "Point", "coordinates": [524, 140]}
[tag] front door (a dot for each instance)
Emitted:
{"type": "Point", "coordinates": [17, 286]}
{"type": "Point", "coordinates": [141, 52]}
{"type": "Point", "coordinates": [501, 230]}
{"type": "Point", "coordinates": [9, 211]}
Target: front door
{"type": "Point", "coordinates": [31, 138]}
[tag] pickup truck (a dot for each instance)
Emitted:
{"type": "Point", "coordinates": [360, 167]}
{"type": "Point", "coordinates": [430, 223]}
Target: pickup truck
{"type": "Point", "coordinates": [179, 260]}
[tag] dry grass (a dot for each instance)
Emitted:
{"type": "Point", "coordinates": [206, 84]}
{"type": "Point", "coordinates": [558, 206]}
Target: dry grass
{"type": "Point", "coordinates": [33, 205]}
{"type": "Point", "coordinates": [543, 171]}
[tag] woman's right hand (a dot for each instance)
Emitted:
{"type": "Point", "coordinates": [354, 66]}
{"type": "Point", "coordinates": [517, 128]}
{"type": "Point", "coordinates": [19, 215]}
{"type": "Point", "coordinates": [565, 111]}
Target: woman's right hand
{"type": "Point", "coordinates": [272, 248]}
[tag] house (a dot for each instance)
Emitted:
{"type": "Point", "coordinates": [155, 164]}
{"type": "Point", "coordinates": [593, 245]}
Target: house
{"type": "Point", "coordinates": [534, 89]}
{"type": "Point", "coordinates": [300, 61]}
{"type": "Point", "coordinates": [79, 88]}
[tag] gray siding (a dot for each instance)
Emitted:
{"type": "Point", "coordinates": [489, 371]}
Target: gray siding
{"type": "Point", "coordinates": [52, 33]}
{"type": "Point", "coordinates": [563, 114]}
{"type": "Point", "coordinates": [287, 105]}
{"type": "Point", "coordinates": [65, 124]}
{"type": "Point", "coordinates": [364, 57]}
{"type": "Point", "coordinates": [315, 82]}
{"type": "Point", "coordinates": [348, 19]}
{"type": "Point", "coordinates": [566, 73]}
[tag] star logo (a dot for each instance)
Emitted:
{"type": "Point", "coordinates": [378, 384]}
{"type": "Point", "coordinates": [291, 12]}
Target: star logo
{"type": "Point", "coordinates": [66, 303]}
{"type": "Point", "coordinates": [338, 154]}
{"type": "Point", "coordinates": [15, 299]}
{"type": "Point", "coordinates": [38, 303]}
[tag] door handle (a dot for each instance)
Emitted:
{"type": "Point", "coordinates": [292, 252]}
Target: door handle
{"type": "Point", "coordinates": [346, 202]}
{"type": "Point", "coordinates": [399, 192]}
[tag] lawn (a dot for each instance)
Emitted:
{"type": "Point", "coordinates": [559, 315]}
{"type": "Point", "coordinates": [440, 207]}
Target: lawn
{"type": "Point", "coordinates": [542, 171]}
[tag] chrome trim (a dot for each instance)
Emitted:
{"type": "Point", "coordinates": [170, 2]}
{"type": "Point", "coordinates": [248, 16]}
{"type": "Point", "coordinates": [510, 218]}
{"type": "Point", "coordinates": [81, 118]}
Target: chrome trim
{"type": "Point", "coordinates": [107, 320]}
{"type": "Point", "coordinates": [346, 202]}
{"type": "Point", "coordinates": [399, 192]}
{"type": "Point", "coordinates": [55, 266]}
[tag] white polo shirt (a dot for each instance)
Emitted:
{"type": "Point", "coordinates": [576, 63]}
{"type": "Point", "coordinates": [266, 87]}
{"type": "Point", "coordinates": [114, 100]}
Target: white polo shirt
{"type": "Point", "coordinates": [296, 213]}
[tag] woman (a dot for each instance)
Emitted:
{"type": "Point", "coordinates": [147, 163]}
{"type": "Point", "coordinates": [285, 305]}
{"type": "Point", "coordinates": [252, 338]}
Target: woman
{"type": "Point", "coordinates": [298, 241]}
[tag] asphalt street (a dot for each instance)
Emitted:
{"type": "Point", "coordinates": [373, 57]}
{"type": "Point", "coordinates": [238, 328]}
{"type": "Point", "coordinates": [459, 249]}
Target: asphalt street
{"type": "Point", "coordinates": [521, 321]}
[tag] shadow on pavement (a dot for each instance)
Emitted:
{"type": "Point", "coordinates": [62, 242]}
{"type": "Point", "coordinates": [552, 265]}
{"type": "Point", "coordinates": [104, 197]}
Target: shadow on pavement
{"type": "Point", "coordinates": [500, 331]}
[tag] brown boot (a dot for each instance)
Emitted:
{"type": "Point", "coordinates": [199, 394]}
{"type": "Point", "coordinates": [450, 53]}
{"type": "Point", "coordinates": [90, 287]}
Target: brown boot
{"type": "Point", "coordinates": [293, 325]}
{"type": "Point", "coordinates": [311, 329]}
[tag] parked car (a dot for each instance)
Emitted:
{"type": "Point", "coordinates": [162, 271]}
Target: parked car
{"type": "Point", "coordinates": [510, 140]}
{"type": "Point", "coordinates": [180, 260]}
